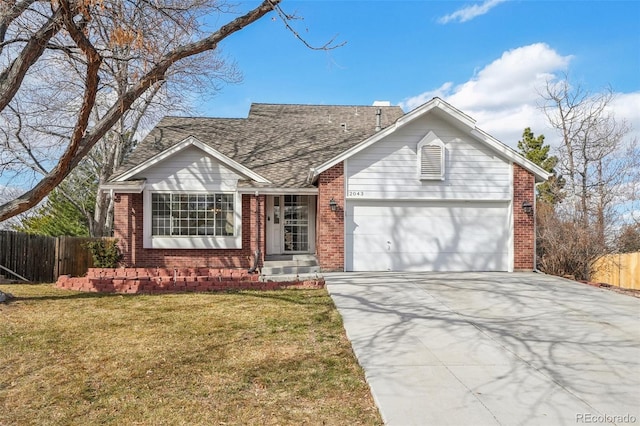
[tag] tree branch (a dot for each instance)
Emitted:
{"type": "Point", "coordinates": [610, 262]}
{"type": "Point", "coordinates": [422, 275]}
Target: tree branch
{"type": "Point", "coordinates": [12, 77]}
{"type": "Point", "coordinates": [285, 18]}
{"type": "Point", "coordinates": [36, 165]}
{"type": "Point", "coordinates": [80, 146]}
{"type": "Point", "coordinates": [11, 15]}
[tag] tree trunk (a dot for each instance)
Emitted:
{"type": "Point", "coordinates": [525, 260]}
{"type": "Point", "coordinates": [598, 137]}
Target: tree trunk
{"type": "Point", "coordinates": [106, 168]}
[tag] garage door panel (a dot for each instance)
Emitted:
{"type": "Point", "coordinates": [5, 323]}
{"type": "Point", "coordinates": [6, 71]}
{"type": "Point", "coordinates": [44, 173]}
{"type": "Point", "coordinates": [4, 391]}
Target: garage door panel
{"type": "Point", "coordinates": [418, 237]}
{"type": "Point", "coordinates": [416, 243]}
{"type": "Point", "coordinates": [419, 262]}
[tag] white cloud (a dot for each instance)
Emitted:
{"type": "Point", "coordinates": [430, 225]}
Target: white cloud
{"type": "Point", "coordinates": [415, 101]}
{"type": "Point", "coordinates": [513, 79]}
{"type": "Point", "coordinates": [468, 13]}
{"type": "Point", "coordinates": [626, 106]}
{"type": "Point", "coordinates": [503, 96]}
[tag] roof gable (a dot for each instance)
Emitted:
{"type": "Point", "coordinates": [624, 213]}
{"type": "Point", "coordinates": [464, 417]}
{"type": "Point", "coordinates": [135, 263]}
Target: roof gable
{"type": "Point", "coordinates": [447, 111]}
{"type": "Point", "coordinates": [188, 142]}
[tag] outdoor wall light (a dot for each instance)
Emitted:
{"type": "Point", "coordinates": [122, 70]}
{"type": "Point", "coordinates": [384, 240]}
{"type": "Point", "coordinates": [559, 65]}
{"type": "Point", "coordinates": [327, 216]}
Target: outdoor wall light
{"type": "Point", "coordinates": [333, 205]}
{"type": "Point", "coordinates": [527, 207]}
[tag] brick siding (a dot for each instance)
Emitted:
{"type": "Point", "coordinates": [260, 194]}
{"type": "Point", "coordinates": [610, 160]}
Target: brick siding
{"type": "Point", "coordinates": [128, 229]}
{"type": "Point", "coordinates": [330, 224]}
{"type": "Point", "coordinates": [523, 223]}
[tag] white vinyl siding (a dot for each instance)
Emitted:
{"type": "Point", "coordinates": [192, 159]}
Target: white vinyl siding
{"type": "Point", "coordinates": [428, 197]}
{"type": "Point", "coordinates": [190, 170]}
{"type": "Point", "coordinates": [193, 173]}
{"type": "Point", "coordinates": [387, 169]}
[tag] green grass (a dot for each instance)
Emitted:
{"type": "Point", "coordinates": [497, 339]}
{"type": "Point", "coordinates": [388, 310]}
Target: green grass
{"type": "Point", "coordinates": [277, 357]}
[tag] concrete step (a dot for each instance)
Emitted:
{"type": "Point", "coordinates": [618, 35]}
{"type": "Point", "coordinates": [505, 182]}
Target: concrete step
{"type": "Point", "coordinates": [289, 269]}
{"type": "Point", "coordinates": [291, 258]}
{"type": "Point", "coordinates": [291, 265]}
{"type": "Point", "coordinates": [295, 262]}
{"type": "Point", "coordinates": [290, 277]}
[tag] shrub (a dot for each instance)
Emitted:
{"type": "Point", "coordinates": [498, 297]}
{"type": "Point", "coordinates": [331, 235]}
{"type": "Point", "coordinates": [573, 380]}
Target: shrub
{"type": "Point", "coordinates": [566, 246]}
{"type": "Point", "coordinates": [105, 253]}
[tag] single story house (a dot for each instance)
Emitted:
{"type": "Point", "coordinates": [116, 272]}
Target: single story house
{"type": "Point", "coordinates": [363, 188]}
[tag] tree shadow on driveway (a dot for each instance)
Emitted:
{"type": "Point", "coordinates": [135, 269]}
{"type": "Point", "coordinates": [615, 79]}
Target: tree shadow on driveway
{"type": "Point", "coordinates": [491, 348]}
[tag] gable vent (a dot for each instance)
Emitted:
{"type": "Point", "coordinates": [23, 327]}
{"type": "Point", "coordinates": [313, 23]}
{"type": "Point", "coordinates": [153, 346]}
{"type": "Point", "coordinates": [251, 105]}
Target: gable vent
{"type": "Point", "coordinates": [431, 161]}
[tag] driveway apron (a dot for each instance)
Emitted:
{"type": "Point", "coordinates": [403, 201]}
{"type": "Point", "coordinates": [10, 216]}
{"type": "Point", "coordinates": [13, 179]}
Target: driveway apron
{"type": "Point", "coordinates": [492, 348]}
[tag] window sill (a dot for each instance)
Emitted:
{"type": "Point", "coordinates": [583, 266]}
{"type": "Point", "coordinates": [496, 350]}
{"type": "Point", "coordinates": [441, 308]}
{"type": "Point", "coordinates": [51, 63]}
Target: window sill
{"type": "Point", "coordinates": [430, 177]}
{"type": "Point", "coordinates": [195, 242]}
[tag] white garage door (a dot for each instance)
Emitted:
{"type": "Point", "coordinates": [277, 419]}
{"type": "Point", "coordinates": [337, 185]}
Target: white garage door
{"type": "Point", "coordinates": [427, 236]}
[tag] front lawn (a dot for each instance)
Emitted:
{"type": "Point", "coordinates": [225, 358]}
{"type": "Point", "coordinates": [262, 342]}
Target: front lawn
{"type": "Point", "coordinates": [278, 357]}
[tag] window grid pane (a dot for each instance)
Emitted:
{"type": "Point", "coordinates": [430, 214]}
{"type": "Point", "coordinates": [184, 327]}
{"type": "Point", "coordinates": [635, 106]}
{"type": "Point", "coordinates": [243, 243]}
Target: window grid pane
{"type": "Point", "coordinates": [296, 228]}
{"type": "Point", "coordinates": [224, 214]}
{"type": "Point", "coordinates": [161, 214]}
{"type": "Point", "coordinates": [192, 214]}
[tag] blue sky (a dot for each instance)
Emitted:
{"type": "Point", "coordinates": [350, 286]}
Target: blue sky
{"type": "Point", "coordinates": [488, 58]}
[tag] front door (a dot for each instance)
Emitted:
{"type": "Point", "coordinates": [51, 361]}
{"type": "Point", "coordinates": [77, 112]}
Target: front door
{"type": "Point", "coordinates": [290, 224]}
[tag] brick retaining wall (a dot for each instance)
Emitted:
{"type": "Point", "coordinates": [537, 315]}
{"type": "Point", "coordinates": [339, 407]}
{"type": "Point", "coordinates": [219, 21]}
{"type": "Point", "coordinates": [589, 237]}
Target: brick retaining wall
{"type": "Point", "coordinates": [167, 280]}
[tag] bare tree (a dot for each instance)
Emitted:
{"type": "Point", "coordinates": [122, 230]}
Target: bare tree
{"type": "Point", "coordinates": [598, 163]}
{"type": "Point", "coordinates": [183, 81]}
{"type": "Point", "coordinates": [83, 37]}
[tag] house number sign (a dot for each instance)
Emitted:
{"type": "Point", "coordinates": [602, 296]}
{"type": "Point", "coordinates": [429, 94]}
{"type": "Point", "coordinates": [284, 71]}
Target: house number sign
{"type": "Point", "coordinates": [355, 194]}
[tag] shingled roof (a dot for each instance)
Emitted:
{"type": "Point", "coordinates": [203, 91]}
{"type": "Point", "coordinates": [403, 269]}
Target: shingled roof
{"type": "Point", "coordinates": [279, 142]}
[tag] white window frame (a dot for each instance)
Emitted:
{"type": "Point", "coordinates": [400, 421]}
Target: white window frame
{"type": "Point", "coordinates": [192, 241]}
{"type": "Point", "coordinates": [431, 139]}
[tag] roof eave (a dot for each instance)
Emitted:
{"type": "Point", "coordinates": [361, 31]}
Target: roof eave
{"type": "Point", "coordinates": [275, 190]}
{"type": "Point", "coordinates": [124, 187]}
{"type": "Point", "coordinates": [315, 172]}
{"type": "Point", "coordinates": [538, 172]}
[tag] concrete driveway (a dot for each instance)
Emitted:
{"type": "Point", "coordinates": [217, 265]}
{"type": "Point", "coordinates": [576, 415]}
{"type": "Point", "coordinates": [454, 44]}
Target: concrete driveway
{"type": "Point", "coordinates": [492, 348]}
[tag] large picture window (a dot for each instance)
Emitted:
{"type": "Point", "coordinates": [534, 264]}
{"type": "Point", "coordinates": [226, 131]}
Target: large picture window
{"type": "Point", "coordinates": [192, 214]}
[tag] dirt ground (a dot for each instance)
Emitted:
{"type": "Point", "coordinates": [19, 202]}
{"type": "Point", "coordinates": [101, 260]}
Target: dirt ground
{"type": "Point", "coordinates": [627, 291]}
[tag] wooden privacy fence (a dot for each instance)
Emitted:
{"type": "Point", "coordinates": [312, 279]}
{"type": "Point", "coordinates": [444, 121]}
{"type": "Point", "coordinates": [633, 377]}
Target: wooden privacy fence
{"type": "Point", "coordinates": [620, 270]}
{"type": "Point", "coordinates": [43, 259]}
{"type": "Point", "coordinates": [30, 256]}
{"type": "Point", "coordinates": [73, 257]}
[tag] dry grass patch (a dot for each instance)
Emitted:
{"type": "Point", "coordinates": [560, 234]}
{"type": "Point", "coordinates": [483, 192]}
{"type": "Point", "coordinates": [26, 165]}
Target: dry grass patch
{"type": "Point", "coordinates": [277, 357]}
